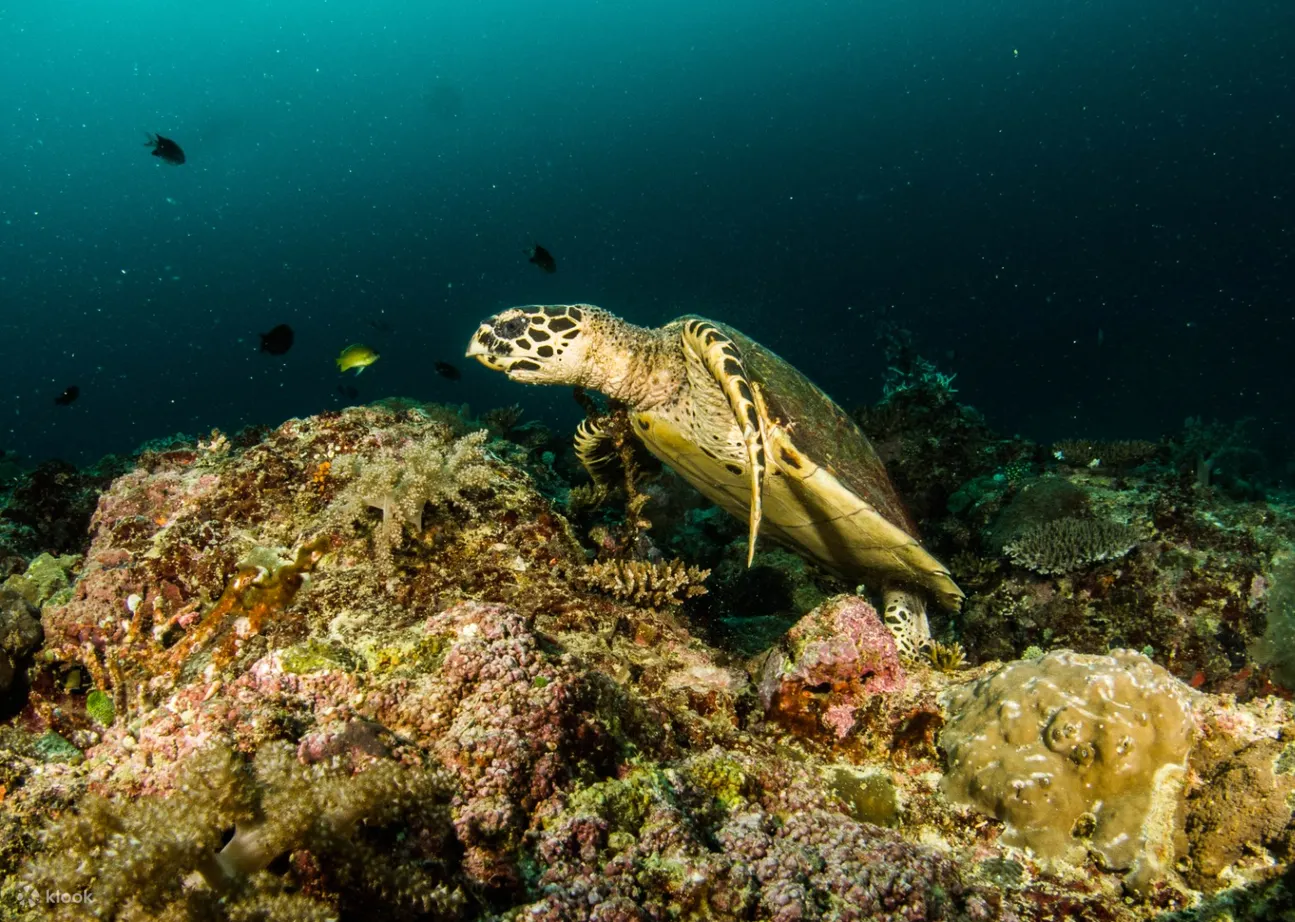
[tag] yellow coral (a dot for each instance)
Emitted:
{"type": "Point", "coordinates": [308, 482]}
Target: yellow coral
{"type": "Point", "coordinates": [1073, 751]}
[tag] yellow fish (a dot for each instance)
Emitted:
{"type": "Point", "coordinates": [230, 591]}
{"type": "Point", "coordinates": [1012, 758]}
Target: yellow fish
{"type": "Point", "coordinates": [357, 356]}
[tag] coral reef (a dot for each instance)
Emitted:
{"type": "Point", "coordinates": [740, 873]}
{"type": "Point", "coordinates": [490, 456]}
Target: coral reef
{"type": "Point", "coordinates": [359, 666]}
{"type": "Point", "coordinates": [1101, 454]}
{"type": "Point", "coordinates": [1276, 646]}
{"type": "Point", "coordinates": [728, 838]}
{"type": "Point", "coordinates": [48, 508]}
{"type": "Point", "coordinates": [20, 635]}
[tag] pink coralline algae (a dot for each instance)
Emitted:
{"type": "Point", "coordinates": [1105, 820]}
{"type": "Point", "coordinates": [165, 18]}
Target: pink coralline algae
{"type": "Point", "coordinates": [830, 663]}
{"type": "Point", "coordinates": [512, 724]}
{"type": "Point", "coordinates": [659, 850]}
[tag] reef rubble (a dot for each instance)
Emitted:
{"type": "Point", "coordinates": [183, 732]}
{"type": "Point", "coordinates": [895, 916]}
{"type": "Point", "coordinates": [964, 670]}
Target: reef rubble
{"type": "Point", "coordinates": [383, 663]}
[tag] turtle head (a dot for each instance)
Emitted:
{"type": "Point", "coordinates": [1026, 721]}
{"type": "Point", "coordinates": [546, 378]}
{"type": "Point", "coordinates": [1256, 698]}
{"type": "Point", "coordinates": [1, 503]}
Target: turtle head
{"type": "Point", "coordinates": [537, 344]}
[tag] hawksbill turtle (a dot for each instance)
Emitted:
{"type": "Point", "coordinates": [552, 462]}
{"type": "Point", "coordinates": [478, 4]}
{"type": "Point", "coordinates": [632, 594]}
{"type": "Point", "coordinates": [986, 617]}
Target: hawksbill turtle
{"type": "Point", "coordinates": [745, 428]}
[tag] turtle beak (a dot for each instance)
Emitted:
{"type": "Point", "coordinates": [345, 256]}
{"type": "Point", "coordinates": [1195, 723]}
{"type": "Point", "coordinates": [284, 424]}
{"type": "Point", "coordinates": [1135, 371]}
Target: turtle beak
{"type": "Point", "coordinates": [479, 348]}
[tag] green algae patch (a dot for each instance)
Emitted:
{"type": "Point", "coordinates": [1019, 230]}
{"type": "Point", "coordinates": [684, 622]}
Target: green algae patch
{"type": "Point", "coordinates": [870, 796]}
{"type": "Point", "coordinates": [722, 777]}
{"type": "Point", "coordinates": [314, 656]}
{"type": "Point", "coordinates": [99, 706]}
{"type": "Point", "coordinates": [45, 579]}
{"type": "Point", "coordinates": [53, 748]}
{"type": "Point", "coordinates": [623, 802]}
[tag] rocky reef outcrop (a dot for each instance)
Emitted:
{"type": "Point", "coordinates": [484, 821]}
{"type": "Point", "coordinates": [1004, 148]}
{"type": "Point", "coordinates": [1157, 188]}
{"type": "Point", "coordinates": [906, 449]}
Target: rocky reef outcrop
{"type": "Point", "coordinates": [357, 667]}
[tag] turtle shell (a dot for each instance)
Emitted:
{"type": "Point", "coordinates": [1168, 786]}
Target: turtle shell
{"type": "Point", "coordinates": [822, 430]}
{"type": "Point", "coordinates": [827, 492]}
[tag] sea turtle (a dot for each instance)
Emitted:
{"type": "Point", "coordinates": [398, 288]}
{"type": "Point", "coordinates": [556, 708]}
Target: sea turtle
{"type": "Point", "coordinates": [746, 429]}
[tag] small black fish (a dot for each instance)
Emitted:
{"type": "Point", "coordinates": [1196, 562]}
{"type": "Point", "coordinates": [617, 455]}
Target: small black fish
{"type": "Point", "coordinates": [542, 258]}
{"type": "Point", "coordinates": [349, 391]}
{"type": "Point", "coordinates": [446, 370]}
{"type": "Point", "coordinates": [277, 341]}
{"type": "Point", "coordinates": [380, 325]}
{"type": "Point", "coordinates": [68, 397]}
{"type": "Point", "coordinates": [165, 148]}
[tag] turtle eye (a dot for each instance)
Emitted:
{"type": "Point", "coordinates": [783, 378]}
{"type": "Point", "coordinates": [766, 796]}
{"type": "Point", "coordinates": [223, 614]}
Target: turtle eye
{"type": "Point", "coordinates": [511, 329]}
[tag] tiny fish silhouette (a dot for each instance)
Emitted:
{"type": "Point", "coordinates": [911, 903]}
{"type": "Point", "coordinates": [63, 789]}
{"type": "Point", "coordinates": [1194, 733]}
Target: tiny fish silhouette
{"type": "Point", "coordinates": [277, 341]}
{"type": "Point", "coordinates": [68, 397]}
{"type": "Point", "coordinates": [446, 370]}
{"type": "Point", "coordinates": [542, 258]}
{"type": "Point", "coordinates": [165, 148]}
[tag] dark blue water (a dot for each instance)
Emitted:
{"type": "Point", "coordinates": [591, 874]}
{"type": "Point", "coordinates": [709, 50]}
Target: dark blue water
{"type": "Point", "coordinates": [1084, 209]}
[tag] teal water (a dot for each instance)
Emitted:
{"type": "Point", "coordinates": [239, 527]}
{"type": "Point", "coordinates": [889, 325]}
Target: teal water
{"type": "Point", "coordinates": [1081, 208]}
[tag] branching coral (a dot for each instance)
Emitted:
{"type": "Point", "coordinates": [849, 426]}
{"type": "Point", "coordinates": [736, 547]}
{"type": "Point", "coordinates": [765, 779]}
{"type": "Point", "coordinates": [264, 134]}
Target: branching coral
{"type": "Point", "coordinates": [653, 584]}
{"type": "Point", "coordinates": [946, 657]}
{"type": "Point", "coordinates": [1066, 545]}
{"type": "Point", "coordinates": [401, 480]}
{"type": "Point", "coordinates": [162, 857]}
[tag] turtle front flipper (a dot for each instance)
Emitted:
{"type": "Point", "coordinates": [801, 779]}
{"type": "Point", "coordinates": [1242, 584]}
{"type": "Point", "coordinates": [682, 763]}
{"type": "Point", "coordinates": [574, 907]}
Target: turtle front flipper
{"type": "Point", "coordinates": [721, 358]}
{"type": "Point", "coordinates": [596, 449]}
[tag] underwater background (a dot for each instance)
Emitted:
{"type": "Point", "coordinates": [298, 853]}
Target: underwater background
{"type": "Point", "coordinates": [1083, 209]}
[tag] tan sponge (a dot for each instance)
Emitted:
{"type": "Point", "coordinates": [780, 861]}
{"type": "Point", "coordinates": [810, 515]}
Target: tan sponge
{"type": "Point", "coordinates": [1073, 752]}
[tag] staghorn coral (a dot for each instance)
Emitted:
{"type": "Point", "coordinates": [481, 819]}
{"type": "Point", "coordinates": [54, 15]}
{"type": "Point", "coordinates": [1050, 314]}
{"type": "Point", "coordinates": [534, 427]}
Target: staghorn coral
{"type": "Point", "coordinates": [1065, 545]}
{"type": "Point", "coordinates": [1072, 750]}
{"type": "Point", "coordinates": [402, 479]}
{"type": "Point", "coordinates": [653, 584]}
{"type": "Point", "coordinates": [163, 857]}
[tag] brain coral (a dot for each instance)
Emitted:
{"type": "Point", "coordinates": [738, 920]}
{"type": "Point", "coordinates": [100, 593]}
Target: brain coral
{"type": "Point", "coordinates": [1074, 750]}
